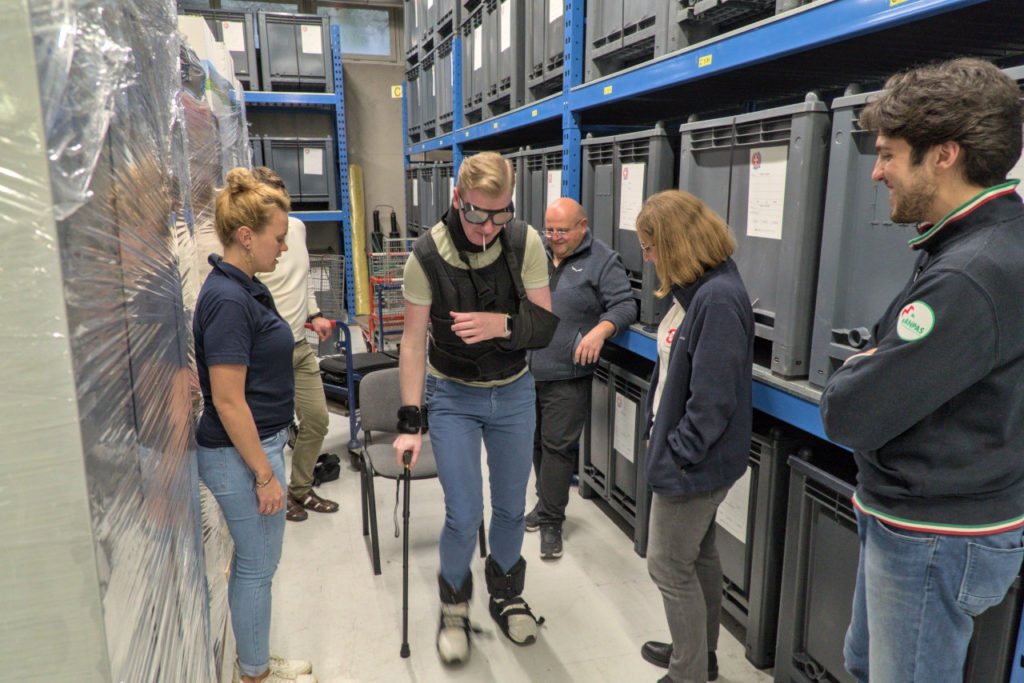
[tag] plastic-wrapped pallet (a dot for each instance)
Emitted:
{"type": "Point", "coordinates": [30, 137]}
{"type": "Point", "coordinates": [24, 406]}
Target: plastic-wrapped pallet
{"type": "Point", "coordinates": [102, 576]}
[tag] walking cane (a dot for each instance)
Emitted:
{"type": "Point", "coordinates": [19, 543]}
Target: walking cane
{"type": "Point", "coordinates": [407, 476]}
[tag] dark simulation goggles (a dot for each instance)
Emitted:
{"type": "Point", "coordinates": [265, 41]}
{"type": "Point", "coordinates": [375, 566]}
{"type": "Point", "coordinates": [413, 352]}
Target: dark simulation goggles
{"type": "Point", "coordinates": [478, 216]}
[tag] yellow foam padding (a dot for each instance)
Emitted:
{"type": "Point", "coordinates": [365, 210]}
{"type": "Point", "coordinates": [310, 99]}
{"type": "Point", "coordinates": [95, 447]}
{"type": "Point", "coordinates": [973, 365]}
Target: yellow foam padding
{"type": "Point", "coordinates": [358, 255]}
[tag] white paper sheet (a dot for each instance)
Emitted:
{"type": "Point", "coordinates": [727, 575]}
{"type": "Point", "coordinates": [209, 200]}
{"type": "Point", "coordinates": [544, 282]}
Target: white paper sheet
{"type": "Point", "coordinates": [312, 161]}
{"type": "Point", "coordinates": [732, 513]}
{"type": "Point", "coordinates": [554, 186]}
{"type": "Point", "coordinates": [478, 48]}
{"type": "Point", "coordinates": [505, 27]}
{"type": "Point", "coordinates": [312, 40]}
{"type": "Point", "coordinates": [624, 426]}
{"type": "Point", "coordinates": [415, 192]}
{"type": "Point", "coordinates": [631, 194]}
{"type": "Point", "coordinates": [433, 89]}
{"type": "Point", "coordinates": [767, 191]}
{"type": "Point", "coordinates": [556, 8]}
{"type": "Point", "coordinates": [234, 35]}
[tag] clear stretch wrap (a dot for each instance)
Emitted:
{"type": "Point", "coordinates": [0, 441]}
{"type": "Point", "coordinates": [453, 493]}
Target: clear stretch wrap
{"type": "Point", "coordinates": [104, 179]}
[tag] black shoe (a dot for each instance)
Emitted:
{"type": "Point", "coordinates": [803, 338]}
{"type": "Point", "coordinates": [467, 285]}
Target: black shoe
{"type": "Point", "coordinates": [532, 518]}
{"type": "Point", "coordinates": [550, 541]}
{"type": "Point", "coordinates": [657, 653]}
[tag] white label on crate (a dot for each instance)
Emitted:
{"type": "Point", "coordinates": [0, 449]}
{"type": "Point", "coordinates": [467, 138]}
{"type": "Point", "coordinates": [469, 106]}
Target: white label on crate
{"type": "Point", "coordinates": [1017, 172]}
{"type": "Point", "coordinates": [321, 279]}
{"type": "Point", "coordinates": [234, 35]}
{"type": "Point", "coordinates": [478, 48]}
{"type": "Point", "coordinates": [433, 88]}
{"type": "Point", "coordinates": [767, 191]}
{"type": "Point", "coordinates": [312, 161]}
{"type": "Point", "coordinates": [556, 8]}
{"type": "Point", "coordinates": [624, 426]}
{"type": "Point", "coordinates": [732, 513]}
{"type": "Point", "coordinates": [554, 188]}
{"type": "Point", "coordinates": [430, 3]}
{"type": "Point", "coordinates": [451, 190]}
{"type": "Point", "coordinates": [631, 195]}
{"type": "Point", "coordinates": [505, 26]}
{"type": "Point", "coordinates": [415, 192]}
{"type": "Point", "coordinates": [312, 40]}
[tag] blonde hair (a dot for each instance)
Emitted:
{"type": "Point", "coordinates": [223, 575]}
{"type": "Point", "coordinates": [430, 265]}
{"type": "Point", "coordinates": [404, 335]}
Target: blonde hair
{"type": "Point", "coordinates": [488, 172]}
{"type": "Point", "coordinates": [689, 237]}
{"type": "Point", "coordinates": [245, 201]}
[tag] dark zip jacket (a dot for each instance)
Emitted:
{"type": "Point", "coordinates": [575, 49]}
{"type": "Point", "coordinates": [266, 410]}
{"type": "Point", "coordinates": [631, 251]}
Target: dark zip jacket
{"type": "Point", "coordinates": [936, 414]}
{"type": "Point", "coordinates": [588, 286]}
{"type": "Point", "coordinates": [700, 440]}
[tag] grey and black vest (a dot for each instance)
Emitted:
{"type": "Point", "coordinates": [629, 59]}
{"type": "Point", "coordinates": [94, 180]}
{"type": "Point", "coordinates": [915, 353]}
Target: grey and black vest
{"type": "Point", "coordinates": [489, 289]}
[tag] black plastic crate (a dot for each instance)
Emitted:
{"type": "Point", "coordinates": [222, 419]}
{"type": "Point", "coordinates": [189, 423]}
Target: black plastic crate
{"type": "Point", "coordinates": [819, 575]}
{"type": "Point", "coordinates": [308, 168]}
{"type": "Point", "coordinates": [295, 52]}
{"type": "Point", "coordinates": [238, 33]}
{"type": "Point", "coordinates": [750, 538]}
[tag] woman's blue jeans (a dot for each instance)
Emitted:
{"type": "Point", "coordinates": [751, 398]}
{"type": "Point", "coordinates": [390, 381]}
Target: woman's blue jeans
{"type": "Point", "coordinates": [503, 419]}
{"type": "Point", "coordinates": [257, 541]}
{"type": "Point", "coordinates": [916, 598]}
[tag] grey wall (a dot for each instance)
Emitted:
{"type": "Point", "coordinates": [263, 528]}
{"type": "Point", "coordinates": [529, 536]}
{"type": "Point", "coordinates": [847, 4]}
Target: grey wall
{"type": "Point", "coordinates": [375, 136]}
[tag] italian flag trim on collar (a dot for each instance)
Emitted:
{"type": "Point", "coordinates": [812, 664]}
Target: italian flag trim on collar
{"type": "Point", "coordinates": [926, 230]}
{"type": "Point", "coordinates": [937, 528]}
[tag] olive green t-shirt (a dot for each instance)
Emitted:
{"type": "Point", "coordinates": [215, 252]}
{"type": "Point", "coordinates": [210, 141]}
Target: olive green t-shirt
{"type": "Point", "coordinates": [416, 285]}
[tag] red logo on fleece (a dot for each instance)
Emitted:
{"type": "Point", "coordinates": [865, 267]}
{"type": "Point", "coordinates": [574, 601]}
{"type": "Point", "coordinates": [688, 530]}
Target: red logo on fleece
{"type": "Point", "coordinates": [670, 336]}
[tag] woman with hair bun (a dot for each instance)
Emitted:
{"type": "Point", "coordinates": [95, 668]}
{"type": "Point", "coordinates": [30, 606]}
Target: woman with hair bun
{"type": "Point", "coordinates": [244, 358]}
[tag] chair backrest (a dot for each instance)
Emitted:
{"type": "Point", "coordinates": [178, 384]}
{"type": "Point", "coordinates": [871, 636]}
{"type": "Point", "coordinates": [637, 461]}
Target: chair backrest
{"type": "Point", "coordinates": [380, 398]}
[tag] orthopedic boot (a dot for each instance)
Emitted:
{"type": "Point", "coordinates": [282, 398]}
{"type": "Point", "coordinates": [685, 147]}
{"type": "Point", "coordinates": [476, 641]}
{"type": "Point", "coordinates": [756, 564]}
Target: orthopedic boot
{"type": "Point", "coordinates": [507, 605]}
{"type": "Point", "coordinates": [453, 631]}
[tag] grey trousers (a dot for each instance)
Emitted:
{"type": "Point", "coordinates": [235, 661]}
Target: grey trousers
{"type": "Point", "coordinates": [682, 559]}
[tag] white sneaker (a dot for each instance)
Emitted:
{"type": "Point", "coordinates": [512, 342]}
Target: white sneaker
{"type": "Point", "coordinates": [453, 633]}
{"type": "Point", "coordinates": [515, 619]}
{"type": "Point", "coordinates": [290, 668]}
{"type": "Point", "coordinates": [277, 676]}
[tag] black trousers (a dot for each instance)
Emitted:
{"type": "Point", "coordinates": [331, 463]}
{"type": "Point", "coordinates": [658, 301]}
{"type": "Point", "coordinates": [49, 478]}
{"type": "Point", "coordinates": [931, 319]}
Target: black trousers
{"type": "Point", "coordinates": [562, 409]}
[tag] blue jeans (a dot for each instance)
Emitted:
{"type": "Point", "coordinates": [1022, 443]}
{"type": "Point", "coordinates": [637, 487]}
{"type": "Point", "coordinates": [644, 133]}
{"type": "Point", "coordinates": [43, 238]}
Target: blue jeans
{"type": "Point", "coordinates": [916, 598]}
{"type": "Point", "coordinates": [257, 541]}
{"type": "Point", "coordinates": [503, 418]}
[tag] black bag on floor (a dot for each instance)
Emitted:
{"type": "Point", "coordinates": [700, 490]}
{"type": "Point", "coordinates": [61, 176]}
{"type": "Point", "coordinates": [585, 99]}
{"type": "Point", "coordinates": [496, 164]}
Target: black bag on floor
{"type": "Point", "coordinates": [327, 468]}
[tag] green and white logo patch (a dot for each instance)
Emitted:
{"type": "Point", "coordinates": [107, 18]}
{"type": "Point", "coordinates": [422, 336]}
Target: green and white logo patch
{"type": "Point", "coordinates": [916, 320]}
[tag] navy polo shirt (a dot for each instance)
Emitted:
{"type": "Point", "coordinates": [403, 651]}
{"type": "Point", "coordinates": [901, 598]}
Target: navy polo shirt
{"type": "Point", "coordinates": [236, 323]}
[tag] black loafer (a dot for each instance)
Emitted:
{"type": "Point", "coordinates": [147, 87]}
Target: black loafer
{"type": "Point", "coordinates": [657, 653]}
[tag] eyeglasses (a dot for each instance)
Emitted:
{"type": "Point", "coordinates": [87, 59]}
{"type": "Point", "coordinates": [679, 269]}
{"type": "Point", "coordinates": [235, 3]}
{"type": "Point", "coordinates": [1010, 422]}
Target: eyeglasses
{"type": "Point", "coordinates": [478, 216]}
{"type": "Point", "coordinates": [644, 249]}
{"type": "Point", "coordinates": [561, 233]}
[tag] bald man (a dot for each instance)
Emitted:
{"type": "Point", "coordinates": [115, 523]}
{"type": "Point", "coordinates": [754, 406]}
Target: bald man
{"type": "Point", "coordinates": [590, 293]}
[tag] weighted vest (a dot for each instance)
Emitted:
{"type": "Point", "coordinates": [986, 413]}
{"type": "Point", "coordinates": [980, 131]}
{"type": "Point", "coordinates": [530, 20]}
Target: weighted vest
{"type": "Point", "coordinates": [489, 289]}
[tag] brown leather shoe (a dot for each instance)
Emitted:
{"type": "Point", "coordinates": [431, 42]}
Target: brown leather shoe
{"type": "Point", "coordinates": [296, 513]}
{"type": "Point", "coordinates": [311, 501]}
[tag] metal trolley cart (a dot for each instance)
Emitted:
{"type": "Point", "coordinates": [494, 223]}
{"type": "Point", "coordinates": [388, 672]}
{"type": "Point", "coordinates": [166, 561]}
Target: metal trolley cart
{"type": "Point", "coordinates": [387, 305]}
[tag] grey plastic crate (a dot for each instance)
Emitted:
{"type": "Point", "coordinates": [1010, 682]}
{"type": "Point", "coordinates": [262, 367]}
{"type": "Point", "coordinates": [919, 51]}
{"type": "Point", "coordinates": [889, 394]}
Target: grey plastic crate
{"type": "Point", "coordinates": [603, 169]}
{"type": "Point", "coordinates": [504, 38]}
{"type": "Point", "coordinates": [447, 18]}
{"type": "Point", "coordinates": [428, 20]}
{"type": "Point", "coordinates": [595, 459]}
{"type": "Point", "coordinates": [428, 96]}
{"type": "Point", "coordinates": [540, 176]}
{"type": "Point", "coordinates": [443, 80]}
{"type": "Point", "coordinates": [865, 259]}
{"type": "Point", "coordinates": [410, 14]}
{"type": "Point", "coordinates": [475, 63]}
{"type": "Point", "coordinates": [443, 190]}
{"type": "Point", "coordinates": [777, 247]}
{"type": "Point", "coordinates": [544, 48]}
{"type": "Point", "coordinates": [429, 181]}
{"type": "Point", "coordinates": [256, 150]}
{"type": "Point", "coordinates": [621, 34]}
{"type": "Point", "coordinates": [226, 27]}
{"type": "Point", "coordinates": [295, 52]}
{"type": "Point", "coordinates": [308, 167]}
{"type": "Point", "coordinates": [413, 115]}
{"type": "Point", "coordinates": [412, 200]}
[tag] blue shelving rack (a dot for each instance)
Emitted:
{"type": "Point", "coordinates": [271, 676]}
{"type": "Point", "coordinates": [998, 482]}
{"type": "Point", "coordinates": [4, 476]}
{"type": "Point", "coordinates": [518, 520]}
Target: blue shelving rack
{"type": "Point", "coordinates": [816, 46]}
{"type": "Point", "coordinates": [334, 103]}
